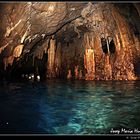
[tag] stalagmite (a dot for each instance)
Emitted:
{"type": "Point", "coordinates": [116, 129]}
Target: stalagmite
{"type": "Point", "coordinates": [80, 75]}
{"type": "Point", "coordinates": [69, 76]}
{"type": "Point", "coordinates": [76, 72]}
{"type": "Point", "coordinates": [107, 68]}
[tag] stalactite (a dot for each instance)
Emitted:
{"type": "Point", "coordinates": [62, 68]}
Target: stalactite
{"type": "Point", "coordinates": [18, 50]}
{"type": "Point", "coordinates": [39, 54]}
{"type": "Point", "coordinates": [120, 24]}
{"type": "Point", "coordinates": [99, 59]}
{"type": "Point", "coordinates": [2, 48]}
{"type": "Point", "coordinates": [41, 50]}
{"type": "Point", "coordinates": [117, 42]}
{"type": "Point", "coordinates": [89, 64]}
{"type": "Point", "coordinates": [127, 43]}
{"type": "Point", "coordinates": [9, 30]}
{"type": "Point", "coordinates": [124, 30]}
{"type": "Point", "coordinates": [107, 65]}
{"type": "Point", "coordinates": [51, 59]}
{"type": "Point", "coordinates": [8, 61]}
{"type": "Point", "coordinates": [58, 57]}
{"type": "Point", "coordinates": [24, 36]}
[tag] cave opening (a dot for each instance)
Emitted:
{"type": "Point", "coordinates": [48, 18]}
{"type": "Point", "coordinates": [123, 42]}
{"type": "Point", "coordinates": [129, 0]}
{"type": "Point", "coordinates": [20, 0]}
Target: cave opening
{"type": "Point", "coordinates": [104, 45]}
{"type": "Point", "coordinates": [112, 48]}
{"type": "Point", "coordinates": [108, 48]}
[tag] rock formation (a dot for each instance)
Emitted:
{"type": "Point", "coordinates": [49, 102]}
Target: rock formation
{"type": "Point", "coordinates": [91, 41]}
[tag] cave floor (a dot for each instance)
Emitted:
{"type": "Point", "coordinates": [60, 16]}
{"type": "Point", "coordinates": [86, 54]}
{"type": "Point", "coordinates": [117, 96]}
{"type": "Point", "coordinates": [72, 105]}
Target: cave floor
{"type": "Point", "coordinates": [68, 107]}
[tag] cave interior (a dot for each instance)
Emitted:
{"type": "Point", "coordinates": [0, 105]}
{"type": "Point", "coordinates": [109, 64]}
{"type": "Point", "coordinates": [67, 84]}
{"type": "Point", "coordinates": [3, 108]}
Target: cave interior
{"type": "Point", "coordinates": [68, 40]}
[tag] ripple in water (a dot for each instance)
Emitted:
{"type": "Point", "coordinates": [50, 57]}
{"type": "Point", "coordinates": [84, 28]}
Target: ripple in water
{"type": "Point", "coordinates": [68, 107]}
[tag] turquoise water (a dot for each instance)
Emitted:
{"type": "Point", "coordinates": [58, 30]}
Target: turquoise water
{"type": "Point", "coordinates": [68, 107]}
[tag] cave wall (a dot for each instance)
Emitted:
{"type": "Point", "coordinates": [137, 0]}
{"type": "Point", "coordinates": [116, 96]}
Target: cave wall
{"type": "Point", "coordinates": [80, 41]}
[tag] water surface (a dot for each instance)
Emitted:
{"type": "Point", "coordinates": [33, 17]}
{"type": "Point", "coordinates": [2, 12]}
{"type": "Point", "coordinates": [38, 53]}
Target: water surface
{"type": "Point", "coordinates": [68, 107]}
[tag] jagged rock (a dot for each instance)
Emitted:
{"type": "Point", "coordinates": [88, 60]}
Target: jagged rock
{"type": "Point", "coordinates": [91, 41]}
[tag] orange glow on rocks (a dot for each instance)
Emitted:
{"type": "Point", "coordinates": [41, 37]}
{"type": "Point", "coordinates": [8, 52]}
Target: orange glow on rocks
{"type": "Point", "coordinates": [51, 59]}
{"type": "Point", "coordinates": [89, 64]}
{"type": "Point", "coordinates": [81, 41]}
{"type": "Point", "coordinates": [18, 50]}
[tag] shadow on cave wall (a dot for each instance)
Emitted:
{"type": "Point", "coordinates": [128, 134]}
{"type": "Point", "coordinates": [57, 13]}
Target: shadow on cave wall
{"type": "Point", "coordinates": [137, 67]}
{"type": "Point", "coordinates": [32, 66]}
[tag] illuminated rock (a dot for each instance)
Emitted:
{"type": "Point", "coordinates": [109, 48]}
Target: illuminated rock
{"type": "Point", "coordinates": [18, 50]}
{"type": "Point", "coordinates": [51, 59]}
{"type": "Point", "coordinates": [89, 64]}
{"type": "Point", "coordinates": [91, 41]}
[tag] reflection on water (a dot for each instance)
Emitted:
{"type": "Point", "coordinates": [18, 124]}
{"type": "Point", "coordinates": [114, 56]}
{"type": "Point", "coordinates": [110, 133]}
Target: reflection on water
{"type": "Point", "coordinates": [69, 107]}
